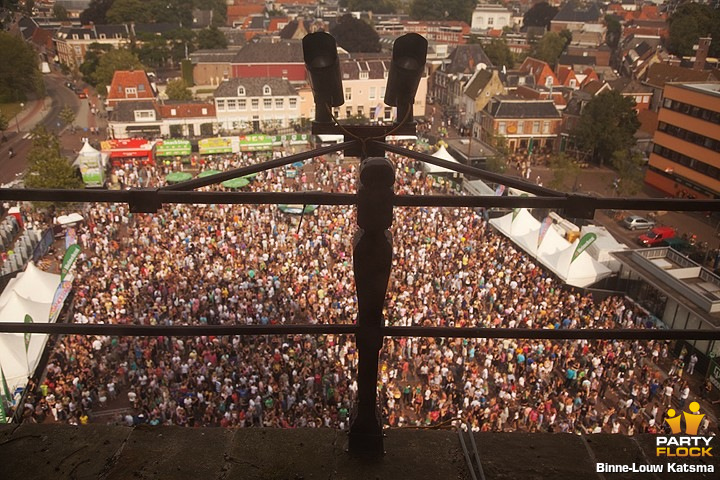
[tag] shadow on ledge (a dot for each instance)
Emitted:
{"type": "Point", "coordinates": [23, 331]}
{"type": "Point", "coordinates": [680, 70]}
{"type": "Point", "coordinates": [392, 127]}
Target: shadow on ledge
{"type": "Point", "coordinates": [107, 452]}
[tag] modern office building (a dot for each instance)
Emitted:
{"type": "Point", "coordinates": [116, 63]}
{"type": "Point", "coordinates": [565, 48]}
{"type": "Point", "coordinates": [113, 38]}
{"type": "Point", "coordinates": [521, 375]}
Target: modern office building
{"type": "Point", "coordinates": [685, 160]}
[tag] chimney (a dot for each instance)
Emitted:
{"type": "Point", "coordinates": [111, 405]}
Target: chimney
{"type": "Point", "coordinates": [701, 53]}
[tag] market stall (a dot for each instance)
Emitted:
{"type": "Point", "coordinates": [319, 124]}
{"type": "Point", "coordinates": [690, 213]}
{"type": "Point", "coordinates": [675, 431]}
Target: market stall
{"type": "Point", "coordinates": [125, 151]}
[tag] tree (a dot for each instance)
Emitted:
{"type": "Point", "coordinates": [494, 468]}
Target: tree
{"type": "Point", "coordinates": [67, 115]}
{"type": "Point", "coordinates": [607, 124]}
{"type": "Point", "coordinates": [690, 22]}
{"type": "Point", "coordinates": [548, 48]}
{"type": "Point", "coordinates": [116, 59]}
{"type": "Point", "coordinates": [92, 60]}
{"type": "Point", "coordinates": [125, 11]}
{"type": "Point", "coordinates": [96, 12]}
{"type": "Point", "coordinates": [629, 165]}
{"type": "Point", "coordinates": [209, 38]}
{"type": "Point", "coordinates": [59, 12]}
{"type": "Point", "coordinates": [375, 6]}
{"type": "Point", "coordinates": [446, 10]}
{"type": "Point", "coordinates": [499, 53]}
{"type": "Point", "coordinates": [19, 74]}
{"type": "Point", "coordinates": [614, 30]}
{"type": "Point", "coordinates": [4, 123]}
{"type": "Point", "coordinates": [47, 167]}
{"type": "Point", "coordinates": [154, 51]}
{"type": "Point", "coordinates": [178, 90]}
{"type": "Point", "coordinates": [540, 15]}
{"type": "Point", "coordinates": [219, 10]}
{"type": "Point", "coordinates": [564, 170]}
{"type": "Point", "coordinates": [355, 35]}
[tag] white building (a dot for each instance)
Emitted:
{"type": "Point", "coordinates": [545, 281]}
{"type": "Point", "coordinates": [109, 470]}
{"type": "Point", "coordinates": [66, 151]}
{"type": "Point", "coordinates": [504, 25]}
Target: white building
{"type": "Point", "coordinates": [256, 104]}
{"type": "Point", "coordinates": [490, 17]}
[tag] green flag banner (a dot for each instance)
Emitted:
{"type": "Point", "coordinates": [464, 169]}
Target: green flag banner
{"type": "Point", "coordinates": [587, 240]}
{"type": "Point", "coordinates": [5, 398]}
{"type": "Point", "coordinates": [28, 319]}
{"type": "Point", "coordinates": [517, 210]}
{"type": "Point", "coordinates": [71, 255]}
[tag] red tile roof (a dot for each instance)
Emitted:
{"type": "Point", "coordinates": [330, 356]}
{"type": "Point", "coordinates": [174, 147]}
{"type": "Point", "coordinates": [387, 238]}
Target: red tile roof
{"type": "Point", "coordinates": [137, 79]}
{"type": "Point", "coordinates": [187, 110]}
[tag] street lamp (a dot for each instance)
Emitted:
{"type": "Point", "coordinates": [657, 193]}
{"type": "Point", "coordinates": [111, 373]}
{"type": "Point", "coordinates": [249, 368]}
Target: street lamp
{"type": "Point", "coordinates": [17, 124]}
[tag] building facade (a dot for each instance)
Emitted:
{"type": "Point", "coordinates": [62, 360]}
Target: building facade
{"type": "Point", "coordinates": [256, 105]}
{"type": "Point", "coordinates": [490, 17]}
{"type": "Point", "coordinates": [72, 43]}
{"type": "Point", "coordinates": [685, 160]}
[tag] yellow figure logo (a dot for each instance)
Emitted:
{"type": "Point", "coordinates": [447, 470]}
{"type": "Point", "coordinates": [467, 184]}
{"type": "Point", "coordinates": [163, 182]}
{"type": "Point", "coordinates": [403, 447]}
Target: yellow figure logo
{"type": "Point", "coordinates": [692, 420]}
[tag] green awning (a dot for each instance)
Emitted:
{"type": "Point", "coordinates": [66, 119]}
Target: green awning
{"type": "Point", "coordinates": [297, 209]}
{"type": "Point", "coordinates": [207, 173]}
{"type": "Point", "coordinates": [176, 177]}
{"type": "Point", "coordinates": [236, 183]}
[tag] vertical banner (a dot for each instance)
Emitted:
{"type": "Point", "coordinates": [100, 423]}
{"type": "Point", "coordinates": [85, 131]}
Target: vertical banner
{"type": "Point", "coordinates": [69, 259]}
{"type": "Point", "coordinates": [70, 237]}
{"type": "Point", "coordinates": [544, 227]}
{"type": "Point", "coordinates": [28, 319]}
{"type": "Point", "coordinates": [587, 240]}
{"type": "Point", "coordinates": [59, 299]}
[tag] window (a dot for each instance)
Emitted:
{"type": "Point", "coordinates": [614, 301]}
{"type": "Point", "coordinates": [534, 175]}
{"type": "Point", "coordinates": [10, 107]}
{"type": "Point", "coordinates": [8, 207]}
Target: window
{"type": "Point", "coordinates": [546, 127]}
{"type": "Point", "coordinates": [102, 36]}
{"type": "Point", "coordinates": [536, 127]}
{"type": "Point", "coordinates": [364, 75]}
{"type": "Point", "coordinates": [284, 74]}
{"type": "Point", "coordinates": [144, 115]}
{"type": "Point", "coordinates": [279, 103]}
{"type": "Point", "coordinates": [573, 83]}
{"type": "Point", "coordinates": [242, 104]}
{"type": "Point", "coordinates": [231, 104]}
{"type": "Point", "coordinates": [520, 127]}
{"type": "Point", "coordinates": [141, 87]}
{"type": "Point", "coordinates": [361, 110]}
{"type": "Point", "coordinates": [255, 104]}
{"type": "Point", "coordinates": [348, 93]}
{"type": "Point", "coordinates": [241, 91]}
{"type": "Point", "coordinates": [267, 90]}
{"type": "Point", "coordinates": [382, 92]}
{"type": "Point", "coordinates": [502, 128]}
{"type": "Point", "coordinates": [204, 111]}
{"type": "Point", "coordinates": [173, 112]}
{"type": "Point", "coordinates": [348, 112]}
{"type": "Point", "coordinates": [293, 103]}
{"type": "Point", "coordinates": [267, 103]}
{"type": "Point", "coordinates": [372, 94]}
{"type": "Point", "coordinates": [130, 91]}
{"type": "Point", "coordinates": [220, 105]}
{"type": "Point", "coordinates": [491, 20]}
{"type": "Point", "coordinates": [549, 81]}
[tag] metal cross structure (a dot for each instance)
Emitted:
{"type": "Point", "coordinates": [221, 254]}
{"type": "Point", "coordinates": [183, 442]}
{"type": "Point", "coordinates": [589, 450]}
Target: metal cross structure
{"type": "Point", "coordinates": [372, 247]}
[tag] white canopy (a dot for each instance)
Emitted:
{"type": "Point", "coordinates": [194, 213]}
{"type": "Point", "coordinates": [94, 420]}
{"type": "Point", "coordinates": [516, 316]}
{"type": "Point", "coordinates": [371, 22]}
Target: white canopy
{"type": "Point", "coordinates": [68, 219]}
{"type": "Point", "coordinates": [555, 253]}
{"type": "Point", "coordinates": [30, 293]}
{"type": "Point", "coordinates": [442, 154]}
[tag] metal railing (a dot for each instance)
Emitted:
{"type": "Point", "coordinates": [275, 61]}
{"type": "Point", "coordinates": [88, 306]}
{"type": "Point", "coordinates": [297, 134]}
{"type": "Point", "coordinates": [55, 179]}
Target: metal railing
{"type": "Point", "coordinates": [372, 256]}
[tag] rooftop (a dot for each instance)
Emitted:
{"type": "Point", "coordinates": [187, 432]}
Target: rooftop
{"type": "Point", "coordinates": [706, 88]}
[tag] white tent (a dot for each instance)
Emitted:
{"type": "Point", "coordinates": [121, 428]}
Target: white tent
{"type": "Point", "coordinates": [442, 154]}
{"type": "Point", "coordinates": [30, 293]}
{"type": "Point", "coordinates": [69, 219]}
{"type": "Point", "coordinates": [555, 253]}
{"type": "Point", "coordinates": [34, 284]}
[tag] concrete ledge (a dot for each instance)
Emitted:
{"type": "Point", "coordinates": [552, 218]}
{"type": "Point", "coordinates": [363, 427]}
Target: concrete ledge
{"type": "Point", "coordinates": [104, 452]}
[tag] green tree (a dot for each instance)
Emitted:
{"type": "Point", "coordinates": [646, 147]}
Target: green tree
{"type": "Point", "coordinates": [67, 115]}
{"type": "Point", "coordinates": [565, 172]}
{"type": "Point", "coordinates": [607, 124]}
{"type": "Point", "coordinates": [117, 59]}
{"type": "Point", "coordinates": [540, 15]}
{"type": "Point", "coordinates": [446, 10]}
{"type": "Point", "coordinates": [355, 35]}
{"type": "Point", "coordinates": [92, 60]}
{"type": "Point", "coordinates": [19, 74]}
{"type": "Point", "coordinates": [4, 123]}
{"type": "Point", "coordinates": [178, 90]}
{"type": "Point", "coordinates": [59, 12]}
{"type": "Point", "coordinates": [614, 30]}
{"type": "Point", "coordinates": [219, 10]}
{"type": "Point", "coordinates": [375, 6]}
{"type": "Point", "coordinates": [549, 47]}
{"type": "Point", "coordinates": [126, 11]}
{"type": "Point", "coordinates": [629, 165]}
{"type": "Point", "coordinates": [96, 12]}
{"type": "Point", "coordinates": [154, 51]}
{"type": "Point", "coordinates": [499, 53]}
{"type": "Point", "coordinates": [47, 168]}
{"type": "Point", "coordinates": [690, 22]}
{"type": "Point", "coordinates": [209, 38]}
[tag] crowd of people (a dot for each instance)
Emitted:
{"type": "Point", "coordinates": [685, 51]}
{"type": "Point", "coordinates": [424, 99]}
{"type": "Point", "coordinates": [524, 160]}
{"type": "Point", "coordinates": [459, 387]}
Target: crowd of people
{"type": "Point", "coordinates": [248, 264]}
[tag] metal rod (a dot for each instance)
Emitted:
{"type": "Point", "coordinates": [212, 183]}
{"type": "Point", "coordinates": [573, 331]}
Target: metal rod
{"type": "Point", "coordinates": [560, 334]}
{"type": "Point", "coordinates": [466, 454]}
{"type": "Point", "coordinates": [174, 330]}
{"type": "Point", "coordinates": [260, 167]}
{"type": "Point", "coordinates": [475, 451]}
{"type": "Point", "coordinates": [258, 198]}
{"type": "Point", "coordinates": [478, 172]}
{"type": "Point", "coordinates": [450, 332]}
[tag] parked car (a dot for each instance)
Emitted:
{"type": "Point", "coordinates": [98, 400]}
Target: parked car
{"type": "Point", "coordinates": [635, 222]}
{"type": "Point", "coordinates": [656, 236]}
